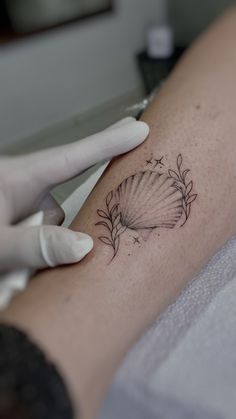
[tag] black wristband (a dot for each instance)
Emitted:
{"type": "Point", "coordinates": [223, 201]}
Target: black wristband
{"type": "Point", "coordinates": [30, 385]}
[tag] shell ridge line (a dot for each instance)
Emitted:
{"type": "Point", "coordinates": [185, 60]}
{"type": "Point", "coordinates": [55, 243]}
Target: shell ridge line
{"type": "Point", "coordinates": [156, 206]}
{"type": "Point", "coordinates": [138, 208]}
{"type": "Point", "coordinates": [169, 213]}
{"type": "Point", "coordinates": [167, 205]}
{"type": "Point", "coordinates": [122, 193]}
{"type": "Point", "coordinates": [154, 226]}
{"type": "Point", "coordinates": [147, 196]}
{"type": "Point", "coordinates": [131, 220]}
{"type": "Point", "coordinates": [157, 186]}
{"type": "Point", "coordinates": [132, 185]}
{"type": "Point", "coordinates": [135, 185]}
{"type": "Point", "coordinates": [125, 197]}
{"type": "Point", "coordinates": [127, 184]}
{"type": "Point", "coordinates": [155, 223]}
{"type": "Point", "coordinates": [148, 199]}
{"type": "Point", "coordinates": [174, 196]}
{"type": "Point", "coordinates": [145, 178]}
{"type": "Point", "coordinates": [128, 200]}
{"type": "Point", "coordinates": [158, 220]}
{"type": "Point", "coordinates": [117, 198]}
{"type": "Point", "coordinates": [149, 177]}
{"type": "Point", "coordinates": [167, 192]}
{"type": "Point", "coordinates": [169, 184]}
{"type": "Point", "coordinates": [138, 177]}
{"type": "Point", "coordinates": [124, 201]}
{"type": "Point", "coordinates": [140, 212]}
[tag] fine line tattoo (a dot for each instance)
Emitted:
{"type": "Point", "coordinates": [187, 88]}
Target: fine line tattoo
{"type": "Point", "coordinates": [146, 201]}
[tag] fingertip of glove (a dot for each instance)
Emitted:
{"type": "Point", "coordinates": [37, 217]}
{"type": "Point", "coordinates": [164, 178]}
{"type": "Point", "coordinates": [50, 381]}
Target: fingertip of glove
{"type": "Point", "coordinates": [84, 242]}
{"type": "Point", "coordinates": [144, 128]}
{"type": "Point", "coordinates": [137, 132]}
{"type": "Point", "coordinates": [60, 246]}
{"type": "Point", "coordinates": [77, 247]}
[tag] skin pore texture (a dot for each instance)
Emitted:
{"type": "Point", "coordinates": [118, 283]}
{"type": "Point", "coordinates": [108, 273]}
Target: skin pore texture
{"type": "Point", "coordinates": [87, 316]}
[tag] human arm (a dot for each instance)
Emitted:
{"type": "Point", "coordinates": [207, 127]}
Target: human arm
{"type": "Point", "coordinates": [86, 317]}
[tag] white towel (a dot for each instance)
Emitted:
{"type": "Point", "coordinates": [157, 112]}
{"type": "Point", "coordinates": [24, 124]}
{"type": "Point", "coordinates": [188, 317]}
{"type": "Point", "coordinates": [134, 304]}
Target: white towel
{"type": "Point", "coordinates": [185, 365]}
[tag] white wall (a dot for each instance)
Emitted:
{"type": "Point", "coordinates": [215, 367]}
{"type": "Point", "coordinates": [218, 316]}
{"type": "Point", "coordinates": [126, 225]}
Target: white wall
{"type": "Point", "coordinates": [55, 75]}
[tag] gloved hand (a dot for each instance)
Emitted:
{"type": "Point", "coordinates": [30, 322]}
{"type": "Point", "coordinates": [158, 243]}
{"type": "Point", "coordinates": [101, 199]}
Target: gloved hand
{"type": "Point", "coordinates": [25, 184]}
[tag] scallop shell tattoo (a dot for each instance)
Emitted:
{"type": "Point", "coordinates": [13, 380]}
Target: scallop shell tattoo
{"type": "Point", "coordinates": [146, 201]}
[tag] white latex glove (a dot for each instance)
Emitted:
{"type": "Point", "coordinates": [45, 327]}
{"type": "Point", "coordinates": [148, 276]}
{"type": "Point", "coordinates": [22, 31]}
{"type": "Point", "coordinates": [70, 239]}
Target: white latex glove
{"type": "Point", "coordinates": [25, 184]}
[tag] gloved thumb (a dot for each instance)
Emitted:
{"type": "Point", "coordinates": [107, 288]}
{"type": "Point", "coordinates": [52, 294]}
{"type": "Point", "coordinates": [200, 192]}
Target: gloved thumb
{"type": "Point", "coordinates": [40, 247]}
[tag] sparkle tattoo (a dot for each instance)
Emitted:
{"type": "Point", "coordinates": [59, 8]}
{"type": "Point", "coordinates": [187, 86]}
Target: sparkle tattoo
{"type": "Point", "coordinates": [145, 201]}
{"type": "Point", "coordinates": [159, 162]}
{"type": "Point", "coordinates": [136, 240]}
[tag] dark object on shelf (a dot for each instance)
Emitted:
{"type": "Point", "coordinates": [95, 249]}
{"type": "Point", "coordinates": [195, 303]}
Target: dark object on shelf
{"type": "Point", "coordinates": [155, 70]}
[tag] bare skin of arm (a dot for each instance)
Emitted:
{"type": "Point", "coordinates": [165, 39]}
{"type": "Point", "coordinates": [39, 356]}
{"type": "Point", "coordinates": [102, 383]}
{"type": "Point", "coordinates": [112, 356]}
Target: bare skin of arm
{"type": "Point", "coordinates": [87, 316]}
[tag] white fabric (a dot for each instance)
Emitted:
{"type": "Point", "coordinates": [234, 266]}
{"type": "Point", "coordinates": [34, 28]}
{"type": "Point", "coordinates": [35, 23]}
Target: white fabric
{"type": "Point", "coordinates": [187, 360]}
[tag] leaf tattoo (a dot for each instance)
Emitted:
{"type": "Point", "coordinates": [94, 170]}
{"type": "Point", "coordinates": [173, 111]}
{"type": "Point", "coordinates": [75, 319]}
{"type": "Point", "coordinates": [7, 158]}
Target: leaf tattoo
{"type": "Point", "coordinates": [112, 224]}
{"type": "Point", "coordinates": [185, 188]}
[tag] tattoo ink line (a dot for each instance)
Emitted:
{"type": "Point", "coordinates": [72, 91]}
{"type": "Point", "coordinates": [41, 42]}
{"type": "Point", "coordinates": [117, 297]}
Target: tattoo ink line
{"type": "Point", "coordinates": [149, 161]}
{"type": "Point", "coordinates": [146, 201]}
{"type": "Point", "coordinates": [136, 240]}
{"type": "Point", "coordinates": [159, 162]}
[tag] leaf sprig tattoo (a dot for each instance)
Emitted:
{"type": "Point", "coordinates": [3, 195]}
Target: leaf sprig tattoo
{"type": "Point", "coordinates": [146, 201]}
{"type": "Point", "coordinates": [180, 178]}
{"type": "Point", "coordinates": [111, 221]}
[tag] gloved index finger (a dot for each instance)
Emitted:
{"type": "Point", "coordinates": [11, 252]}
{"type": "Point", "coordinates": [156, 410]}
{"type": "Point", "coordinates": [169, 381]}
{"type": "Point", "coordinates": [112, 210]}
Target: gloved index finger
{"type": "Point", "coordinates": [62, 163]}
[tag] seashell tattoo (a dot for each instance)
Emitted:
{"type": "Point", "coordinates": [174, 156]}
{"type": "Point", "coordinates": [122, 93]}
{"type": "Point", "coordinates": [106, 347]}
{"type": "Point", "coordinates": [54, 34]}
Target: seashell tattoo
{"type": "Point", "coordinates": [146, 201]}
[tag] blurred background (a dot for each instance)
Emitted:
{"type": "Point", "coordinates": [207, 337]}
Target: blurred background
{"type": "Point", "coordinates": [70, 67]}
